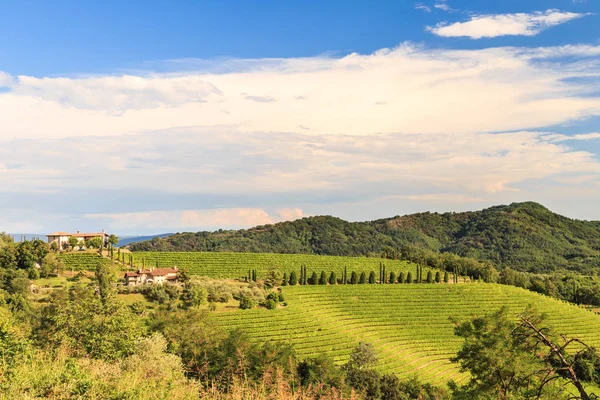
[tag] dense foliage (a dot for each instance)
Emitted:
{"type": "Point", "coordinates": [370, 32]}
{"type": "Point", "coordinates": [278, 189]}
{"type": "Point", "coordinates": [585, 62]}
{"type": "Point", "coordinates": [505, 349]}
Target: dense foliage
{"type": "Point", "coordinates": [524, 236]}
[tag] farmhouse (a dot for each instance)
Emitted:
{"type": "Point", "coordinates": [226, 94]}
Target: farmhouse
{"type": "Point", "coordinates": [63, 237]}
{"type": "Point", "coordinates": [152, 275]}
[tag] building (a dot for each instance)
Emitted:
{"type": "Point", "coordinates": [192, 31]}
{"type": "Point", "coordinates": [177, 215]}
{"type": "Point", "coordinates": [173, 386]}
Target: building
{"type": "Point", "coordinates": [63, 237]}
{"type": "Point", "coordinates": [152, 275]}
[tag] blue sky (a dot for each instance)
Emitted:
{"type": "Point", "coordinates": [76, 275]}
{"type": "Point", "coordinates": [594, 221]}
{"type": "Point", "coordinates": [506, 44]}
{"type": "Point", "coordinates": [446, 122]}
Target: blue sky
{"type": "Point", "coordinates": [144, 117]}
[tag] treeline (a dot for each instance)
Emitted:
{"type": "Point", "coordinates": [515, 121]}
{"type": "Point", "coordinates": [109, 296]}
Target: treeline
{"type": "Point", "coordinates": [523, 236]}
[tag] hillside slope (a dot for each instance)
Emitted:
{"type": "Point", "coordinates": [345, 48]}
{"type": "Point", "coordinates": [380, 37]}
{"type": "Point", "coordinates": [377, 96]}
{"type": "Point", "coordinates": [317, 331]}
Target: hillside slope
{"type": "Point", "coordinates": [524, 236]}
{"type": "Point", "coordinates": [409, 325]}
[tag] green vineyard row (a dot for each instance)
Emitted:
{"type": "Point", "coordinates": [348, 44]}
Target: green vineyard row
{"type": "Point", "coordinates": [409, 325]}
{"type": "Point", "coordinates": [237, 265]}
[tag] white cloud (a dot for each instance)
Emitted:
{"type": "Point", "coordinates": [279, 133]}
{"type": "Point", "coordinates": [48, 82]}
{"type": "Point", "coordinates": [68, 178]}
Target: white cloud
{"type": "Point", "coordinates": [425, 91]}
{"type": "Point", "coordinates": [422, 7]}
{"type": "Point", "coordinates": [494, 25]}
{"type": "Point", "coordinates": [441, 5]}
{"type": "Point", "coordinates": [226, 218]}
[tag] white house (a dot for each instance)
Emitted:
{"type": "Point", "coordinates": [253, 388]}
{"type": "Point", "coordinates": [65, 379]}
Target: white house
{"type": "Point", "coordinates": [63, 237]}
{"type": "Point", "coordinates": [152, 275]}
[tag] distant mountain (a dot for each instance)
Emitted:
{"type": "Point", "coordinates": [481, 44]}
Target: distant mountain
{"type": "Point", "coordinates": [127, 240]}
{"type": "Point", "coordinates": [524, 236]}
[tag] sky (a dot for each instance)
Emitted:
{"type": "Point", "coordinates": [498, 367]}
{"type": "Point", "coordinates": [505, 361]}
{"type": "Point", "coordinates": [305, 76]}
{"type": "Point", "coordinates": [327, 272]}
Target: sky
{"type": "Point", "coordinates": [148, 117]}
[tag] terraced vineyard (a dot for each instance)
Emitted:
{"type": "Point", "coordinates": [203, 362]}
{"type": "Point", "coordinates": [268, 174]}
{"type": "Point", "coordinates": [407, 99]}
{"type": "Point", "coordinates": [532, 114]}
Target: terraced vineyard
{"type": "Point", "coordinates": [81, 260]}
{"type": "Point", "coordinates": [235, 265]}
{"type": "Point", "coordinates": [408, 324]}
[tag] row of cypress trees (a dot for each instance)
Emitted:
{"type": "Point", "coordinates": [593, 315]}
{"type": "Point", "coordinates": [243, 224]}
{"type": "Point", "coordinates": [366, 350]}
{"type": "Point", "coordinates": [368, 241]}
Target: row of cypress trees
{"type": "Point", "coordinates": [355, 278]}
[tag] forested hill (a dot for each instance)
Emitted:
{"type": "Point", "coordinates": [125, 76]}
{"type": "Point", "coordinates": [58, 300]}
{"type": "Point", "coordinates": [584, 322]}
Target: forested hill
{"type": "Point", "coordinates": [524, 236]}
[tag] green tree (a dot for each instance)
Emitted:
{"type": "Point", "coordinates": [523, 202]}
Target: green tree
{"type": "Point", "coordinates": [73, 242]}
{"type": "Point", "coordinates": [353, 278]}
{"type": "Point", "coordinates": [332, 278]}
{"type": "Point", "coordinates": [95, 243]}
{"type": "Point", "coordinates": [363, 278]}
{"type": "Point", "coordinates": [183, 276]}
{"type": "Point", "coordinates": [446, 278]}
{"type": "Point", "coordinates": [392, 277]}
{"type": "Point", "coordinates": [372, 277]}
{"type": "Point", "coordinates": [438, 277]}
{"type": "Point", "coordinates": [293, 278]}
{"type": "Point", "coordinates": [284, 280]}
{"type": "Point", "coordinates": [401, 277]}
{"type": "Point", "coordinates": [313, 279]}
{"type": "Point", "coordinates": [429, 277]}
{"type": "Point", "coordinates": [409, 277]}
{"type": "Point", "coordinates": [193, 295]}
{"type": "Point", "coordinates": [323, 278]}
{"type": "Point", "coordinates": [273, 277]}
{"type": "Point", "coordinates": [113, 240]}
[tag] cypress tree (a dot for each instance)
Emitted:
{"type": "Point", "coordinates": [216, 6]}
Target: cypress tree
{"type": "Point", "coordinates": [384, 274]}
{"type": "Point", "coordinates": [301, 275]}
{"type": "Point", "coordinates": [401, 277]}
{"type": "Point", "coordinates": [372, 277]}
{"type": "Point", "coordinates": [380, 273]}
{"type": "Point", "coordinates": [332, 278]}
{"type": "Point", "coordinates": [323, 278]}
{"type": "Point", "coordinates": [314, 279]}
{"type": "Point", "coordinates": [445, 276]}
{"type": "Point", "coordinates": [345, 277]}
{"type": "Point", "coordinates": [429, 277]}
{"type": "Point", "coordinates": [284, 281]}
{"type": "Point", "coordinates": [438, 277]}
{"type": "Point", "coordinates": [254, 275]}
{"type": "Point", "coordinates": [417, 274]}
{"type": "Point", "coordinates": [305, 276]}
{"type": "Point", "coordinates": [363, 278]}
{"type": "Point", "coordinates": [409, 278]}
{"type": "Point", "coordinates": [293, 278]}
{"type": "Point", "coordinates": [392, 277]}
{"type": "Point", "coordinates": [354, 278]}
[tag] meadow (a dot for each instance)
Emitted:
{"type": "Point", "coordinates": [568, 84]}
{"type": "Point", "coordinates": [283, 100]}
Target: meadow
{"type": "Point", "coordinates": [409, 325]}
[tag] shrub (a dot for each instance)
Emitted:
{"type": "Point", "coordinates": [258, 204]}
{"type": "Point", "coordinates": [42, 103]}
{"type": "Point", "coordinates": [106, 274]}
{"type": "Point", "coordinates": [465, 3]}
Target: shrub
{"type": "Point", "coordinates": [293, 278]}
{"type": "Point", "coordinates": [332, 278]}
{"type": "Point", "coordinates": [429, 277]}
{"type": "Point", "coordinates": [246, 302]}
{"type": "Point", "coordinates": [363, 278]}
{"type": "Point", "coordinates": [323, 278]}
{"type": "Point", "coordinates": [401, 277]}
{"type": "Point", "coordinates": [392, 277]}
{"type": "Point", "coordinates": [445, 276]}
{"type": "Point", "coordinates": [372, 277]}
{"type": "Point", "coordinates": [354, 278]}
{"type": "Point", "coordinates": [409, 277]}
{"type": "Point", "coordinates": [438, 277]}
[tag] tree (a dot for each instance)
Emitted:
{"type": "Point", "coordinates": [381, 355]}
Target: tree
{"type": "Point", "coordinates": [354, 278]}
{"type": "Point", "coordinates": [445, 276]}
{"type": "Point", "coordinates": [293, 278]}
{"type": "Point", "coordinates": [313, 279]}
{"type": "Point", "coordinates": [183, 276]}
{"type": "Point", "coordinates": [438, 277]}
{"type": "Point", "coordinates": [247, 302]}
{"type": "Point", "coordinates": [372, 277]}
{"type": "Point", "coordinates": [363, 278]}
{"type": "Point", "coordinates": [95, 243]}
{"type": "Point", "coordinates": [284, 280]}
{"type": "Point", "coordinates": [273, 278]}
{"type": "Point", "coordinates": [193, 295]}
{"type": "Point", "coordinates": [73, 242]}
{"type": "Point", "coordinates": [113, 240]}
{"type": "Point", "coordinates": [105, 279]}
{"type": "Point", "coordinates": [392, 277]}
{"type": "Point", "coordinates": [323, 278]}
{"type": "Point", "coordinates": [409, 278]}
{"type": "Point", "coordinates": [332, 278]}
{"type": "Point", "coordinates": [429, 277]}
{"type": "Point", "coordinates": [401, 277]}
{"type": "Point", "coordinates": [54, 247]}
{"type": "Point", "coordinates": [509, 359]}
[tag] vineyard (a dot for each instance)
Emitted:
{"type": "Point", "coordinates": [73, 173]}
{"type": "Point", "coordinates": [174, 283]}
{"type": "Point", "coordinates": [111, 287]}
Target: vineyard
{"type": "Point", "coordinates": [408, 324]}
{"type": "Point", "coordinates": [237, 265]}
{"type": "Point", "coordinates": [81, 261]}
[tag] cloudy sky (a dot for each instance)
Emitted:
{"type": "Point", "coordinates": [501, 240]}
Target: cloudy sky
{"type": "Point", "coordinates": [149, 117]}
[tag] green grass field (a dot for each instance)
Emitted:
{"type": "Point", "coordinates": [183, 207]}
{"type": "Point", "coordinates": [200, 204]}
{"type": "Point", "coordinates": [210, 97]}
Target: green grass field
{"type": "Point", "coordinates": [236, 265]}
{"type": "Point", "coordinates": [408, 324]}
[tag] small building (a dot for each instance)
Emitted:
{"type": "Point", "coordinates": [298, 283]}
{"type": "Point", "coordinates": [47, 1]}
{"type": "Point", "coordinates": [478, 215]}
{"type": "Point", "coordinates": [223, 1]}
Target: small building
{"type": "Point", "coordinates": [63, 237]}
{"type": "Point", "coordinates": [152, 275]}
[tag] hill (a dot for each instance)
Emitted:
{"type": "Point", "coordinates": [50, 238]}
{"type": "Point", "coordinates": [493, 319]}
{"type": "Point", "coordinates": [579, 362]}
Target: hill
{"type": "Point", "coordinates": [127, 240]}
{"type": "Point", "coordinates": [409, 325]}
{"type": "Point", "coordinates": [524, 236]}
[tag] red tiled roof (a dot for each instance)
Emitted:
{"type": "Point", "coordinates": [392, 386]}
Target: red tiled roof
{"type": "Point", "coordinates": [77, 234]}
{"type": "Point", "coordinates": [133, 274]}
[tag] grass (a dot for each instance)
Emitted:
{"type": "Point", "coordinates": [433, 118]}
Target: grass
{"type": "Point", "coordinates": [237, 265]}
{"type": "Point", "coordinates": [409, 325]}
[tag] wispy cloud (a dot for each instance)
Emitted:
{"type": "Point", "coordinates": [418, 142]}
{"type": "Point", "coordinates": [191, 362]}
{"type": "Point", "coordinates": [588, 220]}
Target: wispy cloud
{"type": "Point", "coordinates": [494, 25]}
{"type": "Point", "coordinates": [422, 7]}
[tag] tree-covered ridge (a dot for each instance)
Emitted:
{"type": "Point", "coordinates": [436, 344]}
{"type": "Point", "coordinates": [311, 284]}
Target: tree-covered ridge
{"type": "Point", "coordinates": [524, 236]}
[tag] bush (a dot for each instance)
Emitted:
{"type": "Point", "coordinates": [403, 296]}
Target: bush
{"type": "Point", "coordinates": [409, 277]}
{"type": "Point", "coordinates": [332, 278]}
{"type": "Point", "coordinates": [247, 302]}
{"type": "Point", "coordinates": [293, 278]}
{"type": "Point", "coordinates": [354, 278]}
{"type": "Point", "coordinates": [323, 278]}
{"type": "Point", "coordinates": [401, 277]}
{"type": "Point", "coordinates": [372, 277]}
{"type": "Point", "coordinates": [438, 278]}
{"type": "Point", "coordinates": [392, 277]}
{"type": "Point", "coordinates": [363, 278]}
